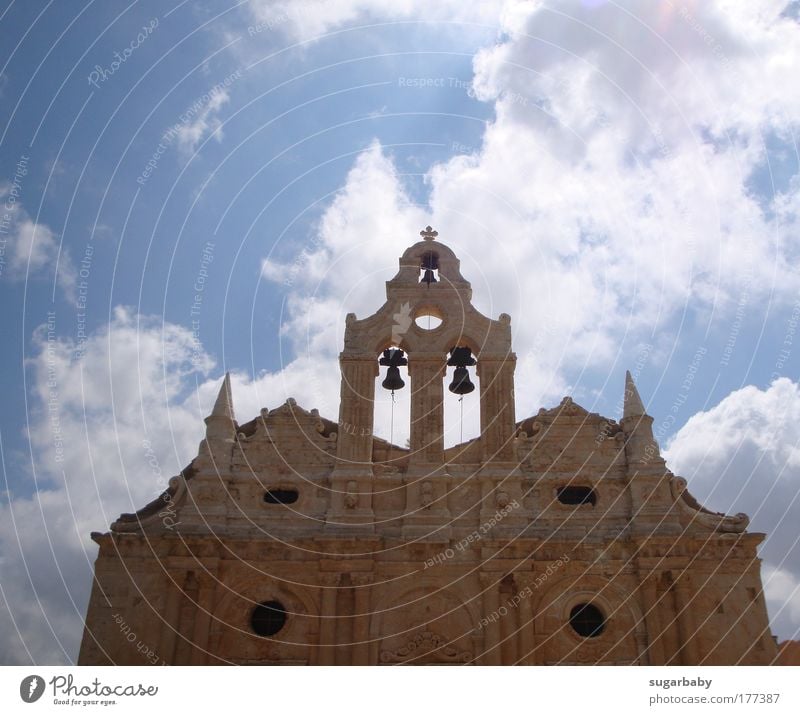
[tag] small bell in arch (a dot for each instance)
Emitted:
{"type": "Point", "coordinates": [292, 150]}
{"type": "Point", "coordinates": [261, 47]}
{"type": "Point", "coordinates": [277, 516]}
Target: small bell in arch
{"type": "Point", "coordinates": [429, 264]}
{"type": "Point", "coordinates": [461, 358]}
{"type": "Point", "coordinates": [393, 358]}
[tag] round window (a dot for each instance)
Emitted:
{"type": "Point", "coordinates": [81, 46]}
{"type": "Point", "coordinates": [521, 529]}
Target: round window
{"type": "Point", "coordinates": [268, 618]}
{"type": "Point", "coordinates": [587, 620]}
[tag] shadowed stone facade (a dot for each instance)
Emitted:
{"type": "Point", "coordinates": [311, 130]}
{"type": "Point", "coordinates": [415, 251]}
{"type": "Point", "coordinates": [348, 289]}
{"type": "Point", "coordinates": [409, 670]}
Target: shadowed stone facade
{"type": "Point", "coordinates": [562, 538]}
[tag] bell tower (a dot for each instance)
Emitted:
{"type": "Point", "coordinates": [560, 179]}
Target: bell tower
{"type": "Point", "coordinates": [428, 283]}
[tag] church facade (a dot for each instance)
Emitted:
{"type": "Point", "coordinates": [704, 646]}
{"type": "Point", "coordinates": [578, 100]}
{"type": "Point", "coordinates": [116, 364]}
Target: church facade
{"type": "Point", "coordinates": [561, 538]}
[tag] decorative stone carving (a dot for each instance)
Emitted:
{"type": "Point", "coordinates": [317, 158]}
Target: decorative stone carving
{"type": "Point", "coordinates": [502, 500]}
{"type": "Point", "coordinates": [716, 521]}
{"type": "Point", "coordinates": [351, 497]}
{"type": "Point", "coordinates": [426, 646]}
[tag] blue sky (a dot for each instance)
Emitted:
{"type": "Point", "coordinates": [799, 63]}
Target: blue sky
{"type": "Point", "coordinates": [621, 178]}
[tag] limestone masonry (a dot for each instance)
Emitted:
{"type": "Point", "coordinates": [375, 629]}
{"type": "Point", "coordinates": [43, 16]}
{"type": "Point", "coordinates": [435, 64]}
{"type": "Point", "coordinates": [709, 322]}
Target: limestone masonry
{"type": "Point", "coordinates": [562, 538]}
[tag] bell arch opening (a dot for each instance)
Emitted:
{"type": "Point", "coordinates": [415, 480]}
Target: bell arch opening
{"type": "Point", "coordinates": [392, 405]}
{"type": "Point", "coordinates": [461, 392]}
{"type": "Point", "coordinates": [429, 268]}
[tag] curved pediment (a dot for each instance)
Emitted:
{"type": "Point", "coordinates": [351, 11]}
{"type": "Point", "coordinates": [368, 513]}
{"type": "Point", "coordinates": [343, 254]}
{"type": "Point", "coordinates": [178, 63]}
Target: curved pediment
{"type": "Point", "coordinates": [393, 325]}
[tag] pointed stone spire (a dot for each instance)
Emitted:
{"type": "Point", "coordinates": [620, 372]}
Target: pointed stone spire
{"type": "Point", "coordinates": [633, 406]}
{"type": "Point", "coordinates": [220, 424]}
{"type": "Point", "coordinates": [640, 445]}
{"type": "Point", "coordinates": [223, 407]}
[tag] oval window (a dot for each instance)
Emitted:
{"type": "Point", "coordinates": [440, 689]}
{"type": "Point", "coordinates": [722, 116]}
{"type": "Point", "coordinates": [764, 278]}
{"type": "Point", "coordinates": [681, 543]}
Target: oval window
{"type": "Point", "coordinates": [587, 620]}
{"type": "Point", "coordinates": [428, 321]}
{"type": "Point", "coordinates": [268, 618]}
{"type": "Point", "coordinates": [281, 496]}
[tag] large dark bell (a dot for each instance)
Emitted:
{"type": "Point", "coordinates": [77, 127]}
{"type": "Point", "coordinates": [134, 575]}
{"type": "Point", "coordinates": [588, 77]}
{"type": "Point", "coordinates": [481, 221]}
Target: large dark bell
{"type": "Point", "coordinates": [428, 277]}
{"type": "Point", "coordinates": [461, 384]}
{"type": "Point", "coordinates": [393, 380]}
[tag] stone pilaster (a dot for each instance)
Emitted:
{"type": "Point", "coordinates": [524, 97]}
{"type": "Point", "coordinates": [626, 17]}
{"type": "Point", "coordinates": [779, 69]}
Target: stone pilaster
{"type": "Point", "coordinates": [650, 606]}
{"type": "Point", "coordinates": [166, 650]}
{"type": "Point", "coordinates": [327, 618]}
{"type": "Point", "coordinates": [362, 616]}
{"type": "Point", "coordinates": [427, 407]}
{"type": "Point", "coordinates": [351, 482]}
{"type": "Point", "coordinates": [354, 449]}
{"type": "Point", "coordinates": [525, 616]}
{"type": "Point", "coordinates": [491, 610]}
{"type": "Point", "coordinates": [497, 407]}
{"type": "Point", "coordinates": [207, 584]}
{"type": "Point", "coordinates": [686, 624]}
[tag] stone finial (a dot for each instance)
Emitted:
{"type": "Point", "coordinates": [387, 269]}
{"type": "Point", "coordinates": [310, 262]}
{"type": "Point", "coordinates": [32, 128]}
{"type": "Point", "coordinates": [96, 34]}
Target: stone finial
{"type": "Point", "coordinates": [429, 234]}
{"type": "Point", "coordinates": [223, 407]}
{"type": "Point", "coordinates": [220, 424]}
{"type": "Point", "coordinates": [641, 447]}
{"type": "Point", "coordinates": [632, 407]}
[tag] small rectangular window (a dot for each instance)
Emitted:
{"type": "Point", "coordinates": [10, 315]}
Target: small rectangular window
{"type": "Point", "coordinates": [281, 496]}
{"type": "Point", "coordinates": [576, 495]}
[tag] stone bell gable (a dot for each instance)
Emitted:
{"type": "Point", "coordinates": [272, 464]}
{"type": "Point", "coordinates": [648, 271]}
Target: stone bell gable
{"type": "Point", "coordinates": [561, 538]}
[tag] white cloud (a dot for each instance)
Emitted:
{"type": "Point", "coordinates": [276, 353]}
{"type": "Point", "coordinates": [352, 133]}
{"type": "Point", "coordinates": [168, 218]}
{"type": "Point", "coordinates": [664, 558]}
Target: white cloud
{"type": "Point", "coordinates": [307, 19]}
{"type": "Point", "coordinates": [30, 249]}
{"type": "Point", "coordinates": [782, 592]}
{"type": "Point", "coordinates": [107, 431]}
{"type": "Point", "coordinates": [87, 427]}
{"type": "Point", "coordinates": [203, 123]}
{"type": "Point", "coordinates": [358, 241]}
{"type": "Point", "coordinates": [611, 192]}
{"type": "Point", "coordinates": [744, 455]}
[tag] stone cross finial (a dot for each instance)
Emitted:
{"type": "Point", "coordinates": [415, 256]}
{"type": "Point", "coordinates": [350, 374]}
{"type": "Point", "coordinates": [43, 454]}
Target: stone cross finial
{"type": "Point", "coordinates": [428, 234]}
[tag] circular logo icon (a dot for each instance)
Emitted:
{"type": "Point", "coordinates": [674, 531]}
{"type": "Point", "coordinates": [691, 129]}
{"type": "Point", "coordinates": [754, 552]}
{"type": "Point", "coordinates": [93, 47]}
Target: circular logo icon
{"type": "Point", "coordinates": [31, 688]}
